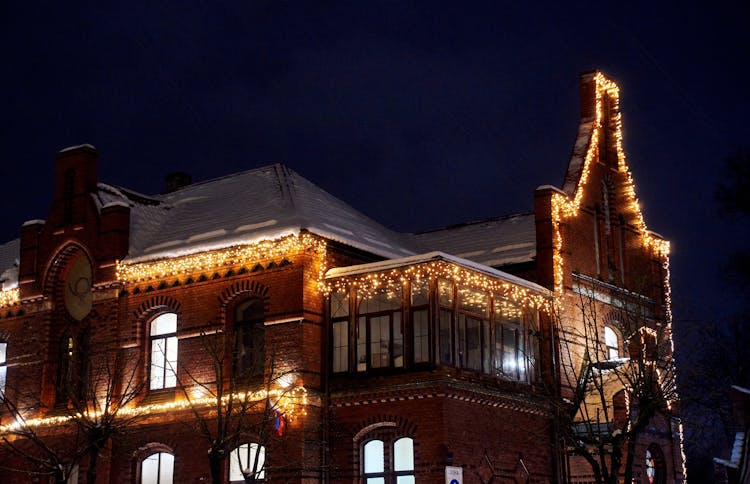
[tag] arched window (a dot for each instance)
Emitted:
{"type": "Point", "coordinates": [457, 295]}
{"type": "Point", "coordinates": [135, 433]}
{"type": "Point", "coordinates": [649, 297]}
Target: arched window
{"type": "Point", "coordinates": [163, 343]}
{"type": "Point", "coordinates": [656, 468]}
{"type": "Point", "coordinates": [612, 343]}
{"type": "Point", "coordinates": [249, 338]}
{"type": "Point", "coordinates": [157, 468]}
{"type": "Point", "coordinates": [388, 462]}
{"type": "Point", "coordinates": [247, 460]}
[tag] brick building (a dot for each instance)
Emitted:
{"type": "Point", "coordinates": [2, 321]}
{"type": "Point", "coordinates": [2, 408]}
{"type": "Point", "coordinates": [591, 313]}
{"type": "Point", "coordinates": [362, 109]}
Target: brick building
{"type": "Point", "coordinates": [259, 321]}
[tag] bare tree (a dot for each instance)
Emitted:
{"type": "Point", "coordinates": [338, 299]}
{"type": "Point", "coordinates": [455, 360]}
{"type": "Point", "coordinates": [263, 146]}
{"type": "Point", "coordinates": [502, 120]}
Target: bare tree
{"type": "Point", "coordinates": [244, 400]}
{"type": "Point", "coordinates": [617, 374]}
{"type": "Point", "coordinates": [54, 440]}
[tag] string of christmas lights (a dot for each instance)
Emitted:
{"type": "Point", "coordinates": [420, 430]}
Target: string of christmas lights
{"type": "Point", "coordinates": [9, 297]}
{"type": "Point", "coordinates": [368, 284]}
{"type": "Point", "coordinates": [290, 403]}
{"type": "Point", "coordinates": [563, 207]}
{"type": "Point", "coordinates": [231, 256]}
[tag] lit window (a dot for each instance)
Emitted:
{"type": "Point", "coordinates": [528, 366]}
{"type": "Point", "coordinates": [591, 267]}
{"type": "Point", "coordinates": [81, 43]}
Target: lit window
{"type": "Point", "coordinates": [163, 339]}
{"type": "Point", "coordinates": [612, 343]}
{"type": "Point", "coordinates": [3, 367]}
{"type": "Point", "coordinates": [382, 463]}
{"type": "Point", "coordinates": [509, 354]}
{"type": "Point", "coordinates": [157, 469]}
{"type": "Point", "coordinates": [247, 460]}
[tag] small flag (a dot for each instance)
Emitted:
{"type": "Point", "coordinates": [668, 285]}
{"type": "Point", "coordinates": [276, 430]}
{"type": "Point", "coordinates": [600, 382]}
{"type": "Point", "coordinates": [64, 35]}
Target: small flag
{"type": "Point", "coordinates": [279, 423]}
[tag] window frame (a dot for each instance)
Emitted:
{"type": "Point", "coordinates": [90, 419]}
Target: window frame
{"type": "Point", "coordinates": [340, 339]}
{"type": "Point", "coordinates": [395, 320]}
{"type": "Point", "coordinates": [611, 335]}
{"type": "Point", "coordinates": [388, 462]}
{"type": "Point", "coordinates": [253, 449]}
{"type": "Point", "coordinates": [159, 453]}
{"type": "Point", "coordinates": [249, 334]}
{"type": "Point", "coordinates": [167, 366]}
{"type": "Point", "coordinates": [3, 367]}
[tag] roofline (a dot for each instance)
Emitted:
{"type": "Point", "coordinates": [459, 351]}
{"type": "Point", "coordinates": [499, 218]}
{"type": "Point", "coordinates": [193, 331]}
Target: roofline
{"type": "Point", "coordinates": [474, 222]}
{"type": "Point", "coordinates": [431, 257]}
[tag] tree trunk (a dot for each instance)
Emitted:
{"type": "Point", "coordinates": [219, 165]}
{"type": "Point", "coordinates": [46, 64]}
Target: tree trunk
{"type": "Point", "coordinates": [629, 459]}
{"type": "Point", "coordinates": [91, 471]}
{"type": "Point", "coordinates": [215, 461]}
{"type": "Point", "coordinates": [59, 476]}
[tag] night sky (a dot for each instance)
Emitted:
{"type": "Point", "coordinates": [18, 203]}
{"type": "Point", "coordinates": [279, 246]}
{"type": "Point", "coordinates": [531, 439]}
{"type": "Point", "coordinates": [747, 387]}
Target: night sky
{"type": "Point", "coordinates": [420, 115]}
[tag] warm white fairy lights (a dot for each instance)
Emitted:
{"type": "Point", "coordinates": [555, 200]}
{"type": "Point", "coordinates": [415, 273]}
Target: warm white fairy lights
{"type": "Point", "coordinates": [370, 283]}
{"type": "Point", "coordinates": [291, 403]}
{"type": "Point", "coordinates": [564, 207]}
{"type": "Point", "coordinates": [9, 297]}
{"type": "Point", "coordinates": [231, 256]}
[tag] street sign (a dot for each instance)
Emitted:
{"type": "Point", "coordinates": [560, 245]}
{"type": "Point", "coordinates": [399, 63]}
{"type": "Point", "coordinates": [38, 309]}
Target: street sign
{"type": "Point", "coordinates": [454, 475]}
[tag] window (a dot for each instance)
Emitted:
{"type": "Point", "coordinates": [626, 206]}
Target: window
{"type": "Point", "coordinates": [508, 339]}
{"type": "Point", "coordinates": [3, 367]}
{"type": "Point", "coordinates": [420, 323]}
{"type": "Point", "coordinates": [249, 338]}
{"type": "Point", "coordinates": [383, 463]}
{"type": "Point", "coordinates": [340, 329]}
{"type": "Point", "coordinates": [157, 468]}
{"type": "Point", "coordinates": [473, 330]}
{"type": "Point", "coordinates": [445, 322]}
{"type": "Point", "coordinates": [655, 465]}
{"type": "Point", "coordinates": [247, 460]}
{"type": "Point", "coordinates": [72, 370]}
{"type": "Point", "coordinates": [612, 343]}
{"type": "Point", "coordinates": [380, 339]}
{"type": "Point", "coordinates": [163, 337]}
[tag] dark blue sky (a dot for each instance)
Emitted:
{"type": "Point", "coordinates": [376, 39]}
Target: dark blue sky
{"type": "Point", "coordinates": [419, 114]}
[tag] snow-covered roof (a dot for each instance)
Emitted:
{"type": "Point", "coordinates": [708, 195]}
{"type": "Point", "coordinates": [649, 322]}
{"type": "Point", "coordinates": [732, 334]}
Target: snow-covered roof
{"type": "Point", "coordinates": [495, 242]}
{"type": "Point", "coordinates": [577, 158]}
{"type": "Point", "coordinates": [429, 257]}
{"type": "Point", "coordinates": [9, 256]}
{"type": "Point", "coordinates": [263, 203]}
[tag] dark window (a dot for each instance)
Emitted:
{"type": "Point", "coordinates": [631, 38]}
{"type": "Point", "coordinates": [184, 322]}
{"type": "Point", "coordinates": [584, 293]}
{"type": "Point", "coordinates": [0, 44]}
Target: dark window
{"type": "Point", "coordinates": [420, 323]}
{"type": "Point", "coordinates": [445, 322]}
{"type": "Point", "coordinates": [340, 330]}
{"type": "Point", "coordinates": [68, 189]}
{"type": "Point", "coordinates": [249, 338]}
{"type": "Point", "coordinates": [72, 372]}
{"type": "Point", "coordinates": [380, 340]}
{"type": "Point", "coordinates": [473, 330]}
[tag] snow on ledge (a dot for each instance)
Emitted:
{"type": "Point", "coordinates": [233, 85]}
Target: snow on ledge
{"type": "Point", "coordinates": [430, 257]}
{"type": "Point", "coordinates": [35, 221]}
{"type": "Point", "coordinates": [71, 148]}
{"type": "Point", "coordinates": [550, 187]}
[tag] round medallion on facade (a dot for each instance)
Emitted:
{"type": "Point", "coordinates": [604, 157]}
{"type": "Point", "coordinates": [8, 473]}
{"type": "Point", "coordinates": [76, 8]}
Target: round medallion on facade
{"type": "Point", "coordinates": [78, 282]}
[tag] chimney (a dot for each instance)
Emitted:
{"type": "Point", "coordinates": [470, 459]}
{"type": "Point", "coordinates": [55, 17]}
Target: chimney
{"type": "Point", "coordinates": [177, 180]}
{"type": "Point", "coordinates": [77, 170]}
